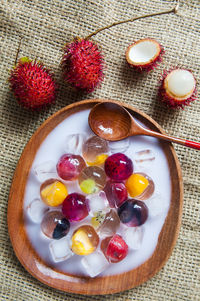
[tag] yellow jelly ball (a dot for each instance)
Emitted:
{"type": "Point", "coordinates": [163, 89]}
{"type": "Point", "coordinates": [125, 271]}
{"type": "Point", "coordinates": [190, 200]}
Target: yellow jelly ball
{"type": "Point", "coordinates": [81, 244]}
{"type": "Point", "coordinates": [99, 160]}
{"type": "Point", "coordinates": [88, 186]}
{"type": "Point", "coordinates": [54, 194]}
{"type": "Point", "coordinates": [136, 184]}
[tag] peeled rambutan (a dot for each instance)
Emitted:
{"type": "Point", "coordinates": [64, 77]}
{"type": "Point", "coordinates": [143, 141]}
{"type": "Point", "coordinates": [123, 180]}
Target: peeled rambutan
{"type": "Point", "coordinates": [83, 65]}
{"type": "Point", "coordinates": [144, 55]}
{"type": "Point", "coordinates": [32, 84]}
{"type": "Point", "coordinates": [178, 88]}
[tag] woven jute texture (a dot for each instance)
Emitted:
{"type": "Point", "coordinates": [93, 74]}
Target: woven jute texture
{"type": "Point", "coordinates": [45, 27]}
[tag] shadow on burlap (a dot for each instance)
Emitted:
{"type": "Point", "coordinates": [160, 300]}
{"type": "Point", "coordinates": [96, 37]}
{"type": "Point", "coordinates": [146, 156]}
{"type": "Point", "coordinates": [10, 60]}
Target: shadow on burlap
{"type": "Point", "coordinates": [45, 27]}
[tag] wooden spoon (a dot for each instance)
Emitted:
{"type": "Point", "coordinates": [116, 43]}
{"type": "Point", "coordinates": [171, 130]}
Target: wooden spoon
{"type": "Point", "coordinates": [113, 122]}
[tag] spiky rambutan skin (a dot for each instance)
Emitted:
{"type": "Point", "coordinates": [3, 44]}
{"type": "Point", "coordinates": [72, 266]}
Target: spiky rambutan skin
{"type": "Point", "coordinates": [150, 65]}
{"type": "Point", "coordinates": [83, 65]}
{"type": "Point", "coordinates": [172, 102]}
{"type": "Point", "coordinates": [32, 84]}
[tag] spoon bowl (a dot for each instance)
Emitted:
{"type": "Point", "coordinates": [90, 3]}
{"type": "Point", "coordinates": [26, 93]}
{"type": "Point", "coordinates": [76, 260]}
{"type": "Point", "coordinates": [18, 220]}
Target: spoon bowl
{"type": "Point", "coordinates": [110, 121]}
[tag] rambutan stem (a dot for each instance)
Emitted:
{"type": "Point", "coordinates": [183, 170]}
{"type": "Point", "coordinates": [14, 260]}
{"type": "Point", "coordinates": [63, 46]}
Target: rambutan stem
{"type": "Point", "coordinates": [18, 50]}
{"type": "Point", "coordinates": [173, 10]}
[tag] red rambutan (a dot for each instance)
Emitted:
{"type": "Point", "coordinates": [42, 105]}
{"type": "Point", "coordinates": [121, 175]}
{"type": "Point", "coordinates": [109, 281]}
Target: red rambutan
{"type": "Point", "coordinates": [144, 54]}
{"type": "Point", "coordinates": [178, 88]}
{"type": "Point", "coordinates": [32, 84]}
{"type": "Point", "coordinates": [83, 65]}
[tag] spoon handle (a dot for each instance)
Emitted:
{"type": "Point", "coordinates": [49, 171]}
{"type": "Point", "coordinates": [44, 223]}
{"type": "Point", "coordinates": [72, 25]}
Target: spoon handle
{"type": "Point", "coordinates": [188, 143]}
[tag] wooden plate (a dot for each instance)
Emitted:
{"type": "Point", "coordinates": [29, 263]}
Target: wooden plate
{"type": "Point", "coordinates": [83, 285]}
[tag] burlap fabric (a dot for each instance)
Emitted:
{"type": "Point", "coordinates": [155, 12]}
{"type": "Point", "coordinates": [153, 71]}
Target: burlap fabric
{"type": "Point", "coordinates": [45, 27]}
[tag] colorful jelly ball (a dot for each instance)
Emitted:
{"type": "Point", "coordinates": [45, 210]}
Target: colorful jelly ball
{"type": "Point", "coordinates": [69, 166]}
{"type": "Point", "coordinates": [116, 193]}
{"type": "Point", "coordinates": [75, 207]}
{"type": "Point", "coordinates": [95, 150]}
{"type": "Point", "coordinates": [92, 179]}
{"type": "Point", "coordinates": [84, 240]}
{"type": "Point", "coordinates": [55, 225]}
{"type": "Point", "coordinates": [110, 224]}
{"type": "Point", "coordinates": [53, 192]}
{"type": "Point", "coordinates": [140, 185]}
{"type": "Point", "coordinates": [133, 213]}
{"type": "Point", "coordinates": [114, 248]}
{"type": "Point", "coordinates": [118, 167]}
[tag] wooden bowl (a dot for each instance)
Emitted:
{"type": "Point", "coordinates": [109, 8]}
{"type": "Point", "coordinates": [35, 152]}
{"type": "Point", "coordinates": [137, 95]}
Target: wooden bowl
{"type": "Point", "coordinates": [85, 285]}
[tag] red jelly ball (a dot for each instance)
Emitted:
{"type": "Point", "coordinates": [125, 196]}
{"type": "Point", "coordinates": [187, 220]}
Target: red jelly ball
{"type": "Point", "coordinates": [133, 213]}
{"type": "Point", "coordinates": [69, 166]}
{"type": "Point", "coordinates": [116, 193]}
{"type": "Point", "coordinates": [75, 207]}
{"type": "Point", "coordinates": [118, 167]}
{"type": "Point", "coordinates": [114, 248]}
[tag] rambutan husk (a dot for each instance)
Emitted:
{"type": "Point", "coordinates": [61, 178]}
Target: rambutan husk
{"type": "Point", "coordinates": [170, 99]}
{"type": "Point", "coordinates": [83, 65]}
{"type": "Point", "coordinates": [32, 84]}
{"type": "Point", "coordinates": [152, 59]}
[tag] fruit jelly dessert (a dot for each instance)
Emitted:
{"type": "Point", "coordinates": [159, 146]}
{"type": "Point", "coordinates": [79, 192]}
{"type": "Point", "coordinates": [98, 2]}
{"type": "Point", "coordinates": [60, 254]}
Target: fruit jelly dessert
{"type": "Point", "coordinates": [140, 186]}
{"type": "Point", "coordinates": [54, 225]}
{"type": "Point", "coordinates": [75, 207]}
{"type": "Point", "coordinates": [92, 179]}
{"type": "Point", "coordinates": [133, 213]}
{"type": "Point", "coordinates": [118, 167]}
{"type": "Point", "coordinates": [95, 150]}
{"type": "Point", "coordinates": [84, 240]}
{"type": "Point", "coordinates": [114, 248]}
{"type": "Point", "coordinates": [98, 218]}
{"type": "Point", "coordinates": [53, 192]}
{"type": "Point", "coordinates": [110, 224]}
{"type": "Point", "coordinates": [116, 193]}
{"type": "Point", "coordinates": [69, 166]}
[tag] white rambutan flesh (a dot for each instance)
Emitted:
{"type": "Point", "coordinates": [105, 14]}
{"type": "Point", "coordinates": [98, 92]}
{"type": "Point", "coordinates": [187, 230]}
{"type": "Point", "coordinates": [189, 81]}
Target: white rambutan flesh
{"type": "Point", "coordinates": [144, 54]}
{"type": "Point", "coordinates": [180, 84]}
{"type": "Point", "coordinates": [178, 88]}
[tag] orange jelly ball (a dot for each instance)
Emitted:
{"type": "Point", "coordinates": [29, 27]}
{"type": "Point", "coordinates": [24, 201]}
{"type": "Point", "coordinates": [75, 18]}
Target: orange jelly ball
{"type": "Point", "coordinates": [53, 192]}
{"type": "Point", "coordinates": [140, 186]}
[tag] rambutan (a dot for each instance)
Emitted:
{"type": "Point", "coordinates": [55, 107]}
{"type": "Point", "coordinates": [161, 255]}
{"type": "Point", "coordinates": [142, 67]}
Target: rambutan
{"type": "Point", "coordinates": [83, 65]}
{"type": "Point", "coordinates": [32, 84]}
{"type": "Point", "coordinates": [178, 88]}
{"type": "Point", "coordinates": [144, 55]}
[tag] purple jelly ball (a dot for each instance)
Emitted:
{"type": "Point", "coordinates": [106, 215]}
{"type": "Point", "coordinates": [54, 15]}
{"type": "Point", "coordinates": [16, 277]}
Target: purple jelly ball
{"type": "Point", "coordinates": [116, 193]}
{"type": "Point", "coordinates": [75, 207]}
{"type": "Point", "coordinates": [133, 213]}
{"type": "Point", "coordinates": [118, 167]}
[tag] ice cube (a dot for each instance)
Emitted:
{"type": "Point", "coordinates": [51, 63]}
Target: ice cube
{"type": "Point", "coordinates": [133, 236]}
{"type": "Point", "coordinates": [94, 263]}
{"type": "Point", "coordinates": [119, 146]}
{"type": "Point", "coordinates": [60, 249]}
{"type": "Point", "coordinates": [74, 143]}
{"type": "Point", "coordinates": [36, 210]}
{"type": "Point", "coordinates": [45, 171]}
{"type": "Point", "coordinates": [157, 205]}
{"type": "Point", "coordinates": [144, 157]}
{"type": "Point", "coordinates": [98, 202]}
